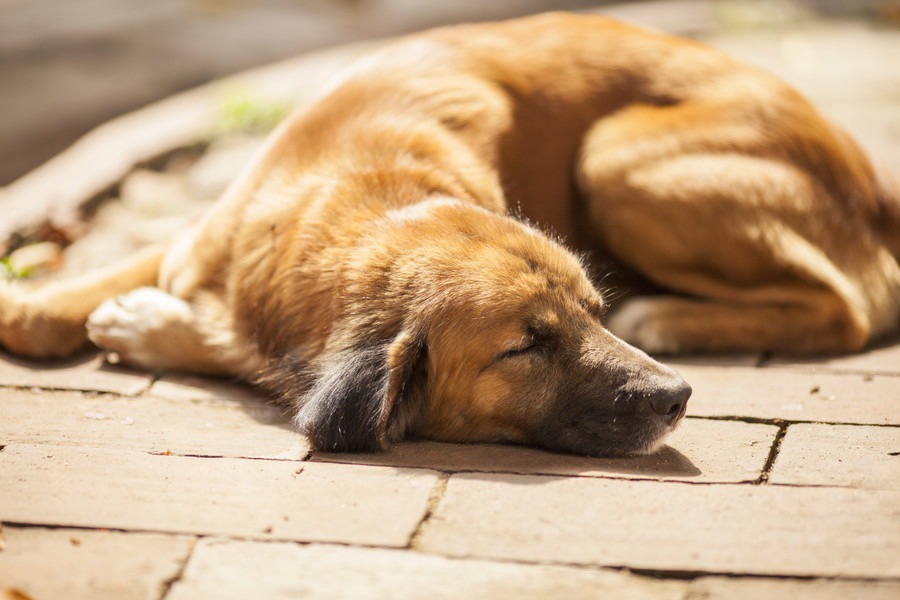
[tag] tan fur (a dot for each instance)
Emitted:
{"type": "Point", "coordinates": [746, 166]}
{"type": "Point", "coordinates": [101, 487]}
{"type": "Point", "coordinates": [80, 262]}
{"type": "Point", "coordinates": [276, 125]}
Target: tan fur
{"type": "Point", "coordinates": [378, 215]}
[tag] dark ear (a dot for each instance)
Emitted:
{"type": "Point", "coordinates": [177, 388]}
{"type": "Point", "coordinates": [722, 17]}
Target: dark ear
{"type": "Point", "coordinates": [360, 399]}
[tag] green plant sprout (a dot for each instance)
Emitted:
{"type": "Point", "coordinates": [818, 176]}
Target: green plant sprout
{"type": "Point", "coordinates": [242, 112]}
{"type": "Point", "coordinates": [9, 271]}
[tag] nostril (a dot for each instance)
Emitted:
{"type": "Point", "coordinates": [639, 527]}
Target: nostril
{"type": "Point", "coordinates": [664, 404]}
{"type": "Point", "coordinates": [670, 402]}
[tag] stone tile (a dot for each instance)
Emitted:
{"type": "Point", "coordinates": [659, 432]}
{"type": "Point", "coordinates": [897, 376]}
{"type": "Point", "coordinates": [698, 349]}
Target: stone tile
{"type": "Point", "coordinates": [194, 387]}
{"type": "Point", "coordinates": [109, 488]}
{"type": "Point", "coordinates": [740, 529]}
{"type": "Point", "coordinates": [843, 455]}
{"type": "Point", "coordinates": [883, 359]}
{"type": "Point", "coordinates": [792, 395]}
{"type": "Point", "coordinates": [85, 372]}
{"type": "Point", "coordinates": [699, 450]}
{"type": "Point", "coordinates": [734, 588]}
{"type": "Point", "coordinates": [246, 429]}
{"type": "Point", "coordinates": [49, 564]}
{"type": "Point", "coordinates": [239, 570]}
{"type": "Point", "coordinates": [713, 360]}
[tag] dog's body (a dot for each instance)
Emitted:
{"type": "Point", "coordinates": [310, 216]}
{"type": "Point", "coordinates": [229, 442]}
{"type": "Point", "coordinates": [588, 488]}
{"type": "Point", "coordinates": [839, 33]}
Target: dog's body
{"type": "Point", "coordinates": [364, 268]}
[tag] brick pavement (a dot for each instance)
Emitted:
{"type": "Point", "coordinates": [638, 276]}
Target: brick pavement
{"type": "Point", "coordinates": [782, 482]}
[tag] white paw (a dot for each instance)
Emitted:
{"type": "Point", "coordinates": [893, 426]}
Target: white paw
{"type": "Point", "coordinates": [133, 325]}
{"type": "Point", "coordinates": [639, 323]}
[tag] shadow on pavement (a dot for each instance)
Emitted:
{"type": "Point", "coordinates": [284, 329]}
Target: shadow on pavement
{"type": "Point", "coordinates": [666, 463]}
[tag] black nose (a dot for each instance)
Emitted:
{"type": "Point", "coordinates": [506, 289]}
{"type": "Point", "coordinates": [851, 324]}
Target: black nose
{"type": "Point", "coordinates": [669, 401]}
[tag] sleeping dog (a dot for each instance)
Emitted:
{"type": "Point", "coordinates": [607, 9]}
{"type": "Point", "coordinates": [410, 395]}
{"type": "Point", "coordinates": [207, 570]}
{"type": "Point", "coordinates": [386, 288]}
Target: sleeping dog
{"type": "Point", "coordinates": [366, 270]}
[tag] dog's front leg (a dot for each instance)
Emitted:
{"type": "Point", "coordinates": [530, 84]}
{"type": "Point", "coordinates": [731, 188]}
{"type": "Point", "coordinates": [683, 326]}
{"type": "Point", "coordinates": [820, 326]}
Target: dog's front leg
{"type": "Point", "coordinates": [153, 330]}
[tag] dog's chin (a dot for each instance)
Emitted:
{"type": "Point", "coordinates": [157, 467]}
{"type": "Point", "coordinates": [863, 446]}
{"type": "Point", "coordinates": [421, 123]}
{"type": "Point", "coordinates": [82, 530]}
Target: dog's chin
{"type": "Point", "coordinates": [641, 439]}
{"type": "Point", "coordinates": [654, 446]}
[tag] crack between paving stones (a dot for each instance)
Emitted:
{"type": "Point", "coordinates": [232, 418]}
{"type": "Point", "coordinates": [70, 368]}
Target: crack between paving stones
{"type": "Point", "coordinates": [434, 499]}
{"type": "Point", "coordinates": [85, 391]}
{"type": "Point", "coordinates": [607, 477]}
{"type": "Point", "coordinates": [773, 454]}
{"type": "Point", "coordinates": [831, 486]}
{"type": "Point", "coordinates": [814, 370]}
{"type": "Point", "coordinates": [780, 421]}
{"type": "Point", "coordinates": [497, 471]}
{"type": "Point", "coordinates": [304, 458]}
{"type": "Point", "coordinates": [760, 479]}
{"type": "Point", "coordinates": [166, 585]}
{"type": "Point", "coordinates": [55, 526]}
{"type": "Point", "coordinates": [656, 574]}
{"type": "Point", "coordinates": [765, 362]}
{"type": "Point", "coordinates": [692, 574]}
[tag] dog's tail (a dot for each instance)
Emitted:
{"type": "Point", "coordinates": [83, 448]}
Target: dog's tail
{"type": "Point", "coordinates": [49, 321]}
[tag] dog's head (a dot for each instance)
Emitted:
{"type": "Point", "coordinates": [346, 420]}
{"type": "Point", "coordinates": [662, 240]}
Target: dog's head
{"type": "Point", "coordinates": [466, 326]}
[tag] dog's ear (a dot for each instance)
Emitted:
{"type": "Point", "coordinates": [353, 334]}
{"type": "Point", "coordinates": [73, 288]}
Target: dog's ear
{"type": "Point", "coordinates": [364, 396]}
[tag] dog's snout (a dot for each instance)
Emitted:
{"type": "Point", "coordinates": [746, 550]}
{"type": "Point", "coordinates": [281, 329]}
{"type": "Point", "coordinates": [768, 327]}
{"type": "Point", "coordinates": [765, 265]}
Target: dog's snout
{"type": "Point", "coordinates": [669, 401]}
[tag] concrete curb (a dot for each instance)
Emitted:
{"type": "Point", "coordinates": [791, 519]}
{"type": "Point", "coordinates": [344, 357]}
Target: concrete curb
{"type": "Point", "coordinates": [54, 193]}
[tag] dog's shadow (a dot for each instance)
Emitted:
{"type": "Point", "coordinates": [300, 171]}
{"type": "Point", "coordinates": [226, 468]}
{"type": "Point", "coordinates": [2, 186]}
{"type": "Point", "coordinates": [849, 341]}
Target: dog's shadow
{"type": "Point", "coordinates": [667, 463]}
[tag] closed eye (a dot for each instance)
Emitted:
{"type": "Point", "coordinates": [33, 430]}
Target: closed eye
{"type": "Point", "coordinates": [540, 339]}
{"type": "Point", "coordinates": [520, 351]}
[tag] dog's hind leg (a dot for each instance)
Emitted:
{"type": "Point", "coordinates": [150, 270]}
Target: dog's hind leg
{"type": "Point", "coordinates": [677, 325]}
{"type": "Point", "coordinates": [763, 252]}
{"type": "Point", "coordinates": [49, 321]}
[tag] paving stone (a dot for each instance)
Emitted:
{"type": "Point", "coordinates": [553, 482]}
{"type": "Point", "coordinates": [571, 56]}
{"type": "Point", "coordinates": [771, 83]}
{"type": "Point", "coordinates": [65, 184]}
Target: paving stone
{"type": "Point", "coordinates": [699, 450]}
{"type": "Point", "coordinates": [91, 565]}
{"type": "Point", "coordinates": [883, 359]}
{"type": "Point", "coordinates": [733, 588]}
{"type": "Point", "coordinates": [109, 488]}
{"type": "Point", "coordinates": [240, 570]}
{"type": "Point", "coordinates": [85, 372]}
{"type": "Point", "coordinates": [844, 455]}
{"type": "Point", "coordinates": [245, 429]}
{"type": "Point", "coordinates": [765, 530]}
{"type": "Point", "coordinates": [713, 360]}
{"type": "Point", "coordinates": [768, 393]}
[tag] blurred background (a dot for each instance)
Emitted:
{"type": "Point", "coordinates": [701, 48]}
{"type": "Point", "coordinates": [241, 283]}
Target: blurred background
{"type": "Point", "coordinates": [69, 65]}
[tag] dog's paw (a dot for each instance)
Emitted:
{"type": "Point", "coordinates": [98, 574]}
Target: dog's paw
{"type": "Point", "coordinates": [136, 327]}
{"type": "Point", "coordinates": [641, 323]}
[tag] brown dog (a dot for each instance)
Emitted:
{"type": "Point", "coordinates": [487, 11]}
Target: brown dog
{"type": "Point", "coordinates": [364, 268]}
